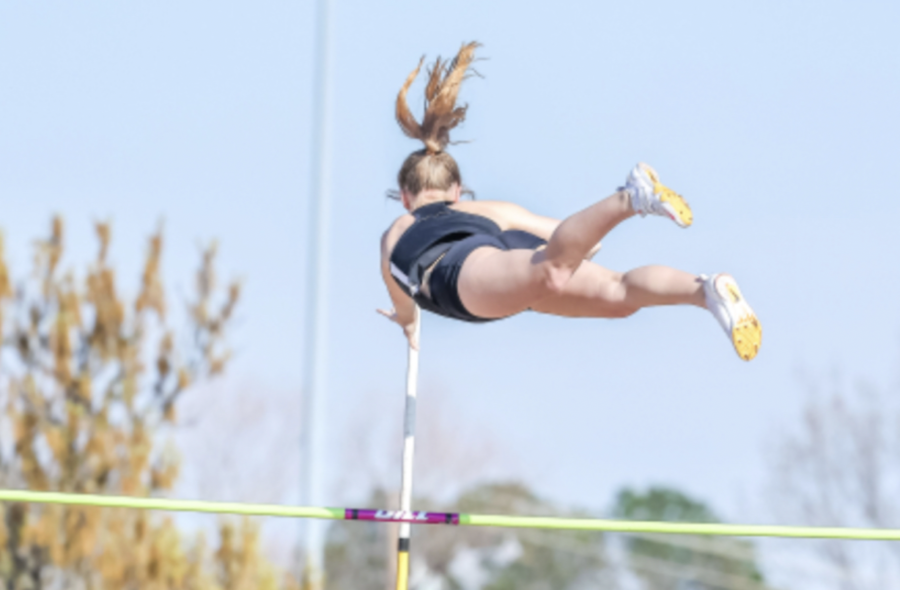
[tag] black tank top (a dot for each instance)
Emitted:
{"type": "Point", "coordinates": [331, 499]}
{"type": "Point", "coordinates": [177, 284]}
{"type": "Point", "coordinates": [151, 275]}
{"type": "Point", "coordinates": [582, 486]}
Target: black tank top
{"type": "Point", "coordinates": [436, 228]}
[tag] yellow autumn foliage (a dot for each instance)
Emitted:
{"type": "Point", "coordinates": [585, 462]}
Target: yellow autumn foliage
{"type": "Point", "coordinates": [88, 382]}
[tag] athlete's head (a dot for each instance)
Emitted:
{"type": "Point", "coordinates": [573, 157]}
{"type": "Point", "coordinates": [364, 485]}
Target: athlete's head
{"type": "Point", "coordinates": [432, 167]}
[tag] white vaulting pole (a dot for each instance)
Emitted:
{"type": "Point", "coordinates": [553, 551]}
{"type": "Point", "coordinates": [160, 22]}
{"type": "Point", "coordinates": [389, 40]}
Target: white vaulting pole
{"type": "Point", "coordinates": [409, 448]}
{"type": "Point", "coordinates": [316, 312]}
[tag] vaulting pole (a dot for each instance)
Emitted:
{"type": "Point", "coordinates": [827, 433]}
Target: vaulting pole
{"type": "Point", "coordinates": [409, 447]}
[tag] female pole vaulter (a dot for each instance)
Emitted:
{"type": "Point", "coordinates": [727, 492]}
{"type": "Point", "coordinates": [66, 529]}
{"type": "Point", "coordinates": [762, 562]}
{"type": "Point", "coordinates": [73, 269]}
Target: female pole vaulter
{"type": "Point", "coordinates": [479, 261]}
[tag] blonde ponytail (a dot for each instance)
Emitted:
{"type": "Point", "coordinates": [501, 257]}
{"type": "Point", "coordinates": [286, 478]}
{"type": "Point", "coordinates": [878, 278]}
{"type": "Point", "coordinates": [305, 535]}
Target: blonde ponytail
{"type": "Point", "coordinates": [432, 167]}
{"type": "Point", "coordinates": [441, 112]}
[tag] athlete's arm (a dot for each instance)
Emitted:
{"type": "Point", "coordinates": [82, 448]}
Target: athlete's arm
{"type": "Point", "coordinates": [519, 218]}
{"type": "Point", "coordinates": [404, 311]}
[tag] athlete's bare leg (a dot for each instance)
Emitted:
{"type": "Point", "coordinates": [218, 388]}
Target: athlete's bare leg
{"type": "Point", "coordinates": [557, 279]}
{"type": "Point", "coordinates": [579, 233]}
{"type": "Point", "coordinates": [594, 291]}
{"type": "Point", "coordinates": [500, 283]}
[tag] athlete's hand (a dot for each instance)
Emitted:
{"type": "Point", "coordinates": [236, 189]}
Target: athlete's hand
{"type": "Point", "coordinates": [409, 328]}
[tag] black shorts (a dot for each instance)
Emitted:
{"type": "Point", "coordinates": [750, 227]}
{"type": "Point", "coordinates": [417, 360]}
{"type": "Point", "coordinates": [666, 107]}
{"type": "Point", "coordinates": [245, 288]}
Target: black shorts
{"type": "Point", "coordinates": [443, 284]}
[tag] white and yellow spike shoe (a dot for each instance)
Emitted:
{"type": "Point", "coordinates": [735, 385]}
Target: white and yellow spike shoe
{"type": "Point", "coordinates": [724, 300]}
{"type": "Point", "coordinates": [650, 197]}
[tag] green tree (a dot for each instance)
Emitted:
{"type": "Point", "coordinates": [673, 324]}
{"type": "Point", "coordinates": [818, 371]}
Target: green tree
{"type": "Point", "coordinates": [667, 562]}
{"type": "Point", "coordinates": [89, 385]}
{"type": "Point", "coordinates": [547, 559]}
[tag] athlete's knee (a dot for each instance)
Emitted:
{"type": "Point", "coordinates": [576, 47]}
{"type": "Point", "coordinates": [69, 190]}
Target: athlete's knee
{"type": "Point", "coordinates": [622, 306]}
{"type": "Point", "coordinates": [554, 277]}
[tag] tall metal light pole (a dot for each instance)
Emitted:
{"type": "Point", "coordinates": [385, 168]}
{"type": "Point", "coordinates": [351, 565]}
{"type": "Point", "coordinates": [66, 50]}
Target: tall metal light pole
{"type": "Point", "coordinates": [316, 312]}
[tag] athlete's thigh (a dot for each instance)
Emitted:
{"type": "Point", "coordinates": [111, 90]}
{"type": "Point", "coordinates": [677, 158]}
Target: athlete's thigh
{"type": "Point", "coordinates": [593, 291]}
{"type": "Point", "coordinates": [496, 283]}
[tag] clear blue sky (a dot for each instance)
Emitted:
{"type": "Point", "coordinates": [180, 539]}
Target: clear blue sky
{"type": "Point", "coordinates": [778, 121]}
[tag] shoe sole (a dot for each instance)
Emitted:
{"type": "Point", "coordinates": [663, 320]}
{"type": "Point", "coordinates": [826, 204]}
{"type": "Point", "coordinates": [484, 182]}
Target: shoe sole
{"type": "Point", "coordinates": [746, 335]}
{"type": "Point", "coordinates": [673, 203]}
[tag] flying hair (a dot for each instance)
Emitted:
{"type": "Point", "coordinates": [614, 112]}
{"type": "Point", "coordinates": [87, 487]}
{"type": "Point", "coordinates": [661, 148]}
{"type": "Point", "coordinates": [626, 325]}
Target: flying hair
{"type": "Point", "coordinates": [441, 113]}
